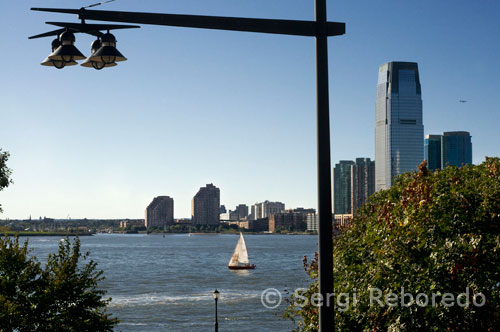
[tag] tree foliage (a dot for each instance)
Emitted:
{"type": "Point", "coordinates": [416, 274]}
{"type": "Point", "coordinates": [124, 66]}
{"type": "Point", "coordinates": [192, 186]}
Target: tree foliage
{"type": "Point", "coordinates": [432, 233]}
{"type": "Point", "coordinates": [5, 172]}
{"type": "Point", "coordinates": [63, 296]}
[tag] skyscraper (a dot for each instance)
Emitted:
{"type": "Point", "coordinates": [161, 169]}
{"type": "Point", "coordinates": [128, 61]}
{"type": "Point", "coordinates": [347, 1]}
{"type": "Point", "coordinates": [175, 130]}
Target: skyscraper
{"type": "Point", "coordinates": [342, 187]}
{"type": "Point", "coordinates": [205, 206]}
{"type": "Point", "coordinates": [362, 182]}
{"type": "Point", "coordinates": [399, 131]}
{"type": "Point", "coordinates": [160, 212]}
{"type": "Point", "coordinates": [432, 151]}
{"type": "Point", "coordinates": [453, 148]}
{"type": "Point", "coordinates": [456, 148]}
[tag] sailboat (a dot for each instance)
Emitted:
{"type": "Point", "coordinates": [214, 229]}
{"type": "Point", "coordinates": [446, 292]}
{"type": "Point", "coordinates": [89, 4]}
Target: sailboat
{"type": "Point", "coordinates": [239, 260]}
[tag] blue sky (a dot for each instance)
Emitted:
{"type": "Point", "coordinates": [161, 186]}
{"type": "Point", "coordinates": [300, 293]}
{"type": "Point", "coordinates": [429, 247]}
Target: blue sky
{"type": "Point", "coordinates": [192, 106]}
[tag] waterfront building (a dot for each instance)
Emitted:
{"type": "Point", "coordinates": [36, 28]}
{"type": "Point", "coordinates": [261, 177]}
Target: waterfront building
{"type": "Point", "coordinates": [362, 182]}
{"type": "Point", "coordinates": [312, 222]}
{"type": "Point", "coordinates": [288, 220]}
{"type": "Point", "coordinates": [399, 130]}
{"type": "Point", "coordinates": [251, 216]}
{"type": "Point", "coordinates": [242, 211]}
{"type": "Point", "coordinates": [266, 208]}
{"type": "Point", "coordinates": [160, 212]}
{"type": "Point", "coordinates": [456, 148]}
{"type": "Point", "coordinates": [339, 221]}
{"type": "Point", "coordinates": [292, 219]}
{"type": "Point", "coordinates": [302, 210]}
{"type": "Point", "coordinates": [342, 187]}
{"type": "Point", "coordinates": [131, 223]}
{"type": "Point", "coordinates": [432, 151]}
{"type": "Point", "coordinates": [234, 215]}
{"type": "Point", "coordinates": [226, 216]}
{"type": "Point", "coordinates": [259, 225]}
{"type": "Point", "coordinates": [205, 206]}
{"type": "Point", "coordinates": [222, 209]}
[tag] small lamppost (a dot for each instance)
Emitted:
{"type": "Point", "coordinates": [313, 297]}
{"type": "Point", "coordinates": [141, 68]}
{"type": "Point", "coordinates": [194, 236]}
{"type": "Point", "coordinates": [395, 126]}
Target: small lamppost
{"type": "Point", "coordinates": [216, 296]}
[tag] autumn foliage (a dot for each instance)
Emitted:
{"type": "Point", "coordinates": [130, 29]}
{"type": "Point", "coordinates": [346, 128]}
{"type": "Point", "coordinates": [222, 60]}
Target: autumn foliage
{"type": "Point", "coordinates": [432, 233]}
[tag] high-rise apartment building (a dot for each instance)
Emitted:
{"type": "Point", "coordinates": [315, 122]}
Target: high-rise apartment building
{"type": "Point", "coordinates": [266, 208]}
{"type": "Point", "coordinates": [432, 151]}
{"type": "Point", "coordinates": [160, 212]}
{"type": "Point", "coordinates": [205, 206]}
{"type": "Point", "coordinates": [362, 182]}
{"type": "Point", "coordinates": [399, 130]}
{"type": "Point", "coordinates": [456, 148]}
{"type": "Point", "coordinates": [353, 183]}
{"type": "Point", "coordinates": [242, 210]}
{"type": "Point", "coordinates": [342, 187]}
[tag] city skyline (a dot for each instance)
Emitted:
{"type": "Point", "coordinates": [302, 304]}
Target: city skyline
{"type": "Point", "coordinates": [175, 114]}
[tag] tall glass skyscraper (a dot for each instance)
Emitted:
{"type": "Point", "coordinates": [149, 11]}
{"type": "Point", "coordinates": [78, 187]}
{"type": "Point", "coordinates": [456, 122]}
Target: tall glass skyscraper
{"type": "Point", "coordinates": [456, 148]}
{"type": "Point", "coordinates": [453, 148]}
{"type": "Point", "coordinates": [399, 131]}
{"type": "Point", "coordinates": [432, 151]}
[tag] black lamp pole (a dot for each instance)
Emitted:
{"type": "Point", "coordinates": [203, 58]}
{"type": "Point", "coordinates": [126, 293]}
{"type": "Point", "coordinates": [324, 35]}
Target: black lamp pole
{"type": "Point", "coordinates": [325, 241]}
{"type": "Point", "coordinates": [216, 298]}
{"type": "Point", "coordinates": [320, 29]}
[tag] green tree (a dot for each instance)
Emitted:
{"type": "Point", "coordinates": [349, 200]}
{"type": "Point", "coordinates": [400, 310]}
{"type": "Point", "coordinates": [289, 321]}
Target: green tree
{"type": "Point", "coordinates": [20, 286]}
{"type": "Point", "coordinates": [431, 233]}
{"type": "Point", "coordinates": [63, 296]}
{"type": "Point", "coordinates": [5, 172]}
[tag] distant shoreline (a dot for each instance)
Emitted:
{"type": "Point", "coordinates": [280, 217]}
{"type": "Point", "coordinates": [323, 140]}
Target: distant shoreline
{"type": "Point", "coordinates": [11, 233]}
{"type": "Point", "coordinates": [233, 233]}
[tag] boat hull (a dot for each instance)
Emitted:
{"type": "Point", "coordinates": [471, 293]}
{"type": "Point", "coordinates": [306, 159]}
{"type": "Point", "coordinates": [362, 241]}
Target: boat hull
{"type": "Point", "coordinates": [243, 267]}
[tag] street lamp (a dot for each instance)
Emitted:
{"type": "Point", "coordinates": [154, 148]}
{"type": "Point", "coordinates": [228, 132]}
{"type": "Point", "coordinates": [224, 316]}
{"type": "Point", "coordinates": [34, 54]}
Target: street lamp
{"type": "Point", "coordinates": [321, 29]}
{"type": "Point", "coordinates": [59, 64]}
{"type": "Point", "coordinates": [107, 53]}
{"type": "Point", "coordinates": [90, 62]}
{"type": "Point", "coordinates": [216, 296]}
{"type": "Point", "coordinates": [67, 51]}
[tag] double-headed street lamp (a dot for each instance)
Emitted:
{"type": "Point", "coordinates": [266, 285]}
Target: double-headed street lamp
{"type": "Point", "coordinates": [321, 29]}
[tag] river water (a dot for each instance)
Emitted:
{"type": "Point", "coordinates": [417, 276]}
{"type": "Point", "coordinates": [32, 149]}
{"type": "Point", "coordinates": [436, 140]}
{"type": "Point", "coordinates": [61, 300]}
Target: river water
{"type": "Point", "coordinates": [165, 283]}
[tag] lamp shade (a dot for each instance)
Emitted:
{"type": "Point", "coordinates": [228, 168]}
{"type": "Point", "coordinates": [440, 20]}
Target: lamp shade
{"type": "Point", "coordinates": [91, 63]}
{"type": "Point", "coordinates": [59, 64]}
{"type": "Point", "coordinates": [107, 53]}
{"type": "Point", "coordinates": [216, 295]}
{"type": "Point", "coordinates": [67, 51]}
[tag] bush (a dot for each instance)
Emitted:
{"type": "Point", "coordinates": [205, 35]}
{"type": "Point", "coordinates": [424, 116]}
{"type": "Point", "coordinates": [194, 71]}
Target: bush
{"type": "Point", "coordinates": [431, 233]}
{"type": "Point", "coordinates": [64, 296]}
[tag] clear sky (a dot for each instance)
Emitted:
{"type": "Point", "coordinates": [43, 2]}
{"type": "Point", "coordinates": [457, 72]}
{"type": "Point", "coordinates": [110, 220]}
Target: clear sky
{"type": "Point", "coordinates": [192, 107]}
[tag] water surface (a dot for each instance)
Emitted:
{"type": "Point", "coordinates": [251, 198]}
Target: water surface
{"type": "Point", "coordinates": [165, 283]}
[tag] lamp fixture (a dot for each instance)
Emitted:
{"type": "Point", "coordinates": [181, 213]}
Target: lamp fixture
{"type": "Point", "coordinates": [59, 64]}
{"type": "Point", "coordinates": [103, 50]}
{"type": "Point", "coordinates": [107, 53]}
{"type": "Point", "coordinates": [91, 62]}
{"type": "Point", "coordinates": [67, 51]}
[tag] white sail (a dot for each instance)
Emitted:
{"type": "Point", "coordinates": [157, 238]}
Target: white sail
{"type": "Point", "coordinates": [240, 254]}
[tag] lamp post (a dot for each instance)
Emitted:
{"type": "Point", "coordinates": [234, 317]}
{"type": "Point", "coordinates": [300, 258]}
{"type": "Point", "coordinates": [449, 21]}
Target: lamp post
{"type": "Point", "coordinates": [321, 29]}
{"type": "Point", "coordinates": [216, 296]}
